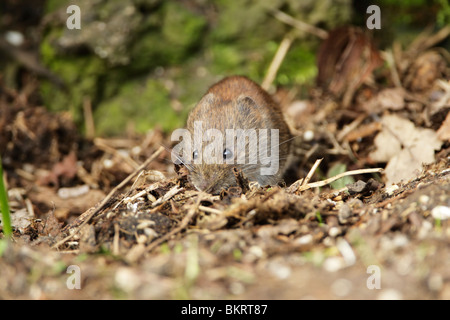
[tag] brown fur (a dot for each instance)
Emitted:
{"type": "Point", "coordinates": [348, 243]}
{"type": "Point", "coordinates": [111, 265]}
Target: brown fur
{"type": "Point", "coordinates": [236, 103]}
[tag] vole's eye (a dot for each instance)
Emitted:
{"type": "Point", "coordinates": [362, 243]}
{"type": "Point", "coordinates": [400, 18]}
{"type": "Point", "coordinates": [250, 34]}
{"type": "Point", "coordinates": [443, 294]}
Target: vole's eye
{"type": "Point", "coordinates": [227, 154]}
{"type": "Point", "coordinates": [195, 154]}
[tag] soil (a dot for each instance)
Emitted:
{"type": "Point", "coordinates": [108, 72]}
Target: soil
{"type": "Point", "coordinates": [87, 207]}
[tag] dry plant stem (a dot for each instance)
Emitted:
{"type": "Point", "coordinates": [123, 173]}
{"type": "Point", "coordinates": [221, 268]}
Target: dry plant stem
{"type": "Point", "coordinates": [88, 118]}
{"type": "Point", "coordinates": [141, 193]}
{"type": "Point", "coordinates": [29, 206]}
{"type": "Point", "coordinates": [303, 26]}
{"type": "Point", "coordinates": [388, 56]}
{"type": "Point", "coordinates": [339, 176]}
{"type": "Point", "coordinates": [169, 194]}
{"type": "Point", "coordinates": [209, 210]}
{"type": "Point", "coordinates": [91, 214]}
{"type": "Point", "coordinates": [425, 41]}
{"type": "Point", "coordinates": [129, 191]}
{"type": "Point", "coordinates": [116, 240]}
{"type": "Point", "coordinates": [104, 147]}
{"type": "Point", "coordinates": [277, 60]}
{"type": "Point", "coordinates": [350, 127]}
{"type": "Point", "coordinates": [308, 154]}
{"type": "Point", "coordinates": [337, 148]}
{"type": "Point", "coordinates": [183, 224]}
{"type": "Point", "coordinates": [311, 172]}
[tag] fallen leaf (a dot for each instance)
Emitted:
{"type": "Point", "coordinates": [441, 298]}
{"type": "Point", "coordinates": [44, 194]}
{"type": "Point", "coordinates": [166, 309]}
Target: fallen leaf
{"type": "Point", "coordinates": [404, 147]}
{"type": "Point", "coordinates": [444, 131]}
{"type": "Point", "coordinates": [66, 169]}
{"type": "Point", "coordinates": [390, 98]}
{"type": "Point", "coordinates": [425, 69]}
{"type": "Point", "coordinates": [346, 60]}
{"type": "Point", "coordinates": [21, 219]}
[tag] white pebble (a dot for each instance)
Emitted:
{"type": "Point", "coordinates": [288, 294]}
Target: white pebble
{"type": "Point", "coordinates": [306, 239]}
{"type": "Point", "coordinates": [236, 288]}
{"type": "Point", "coordinates": [333, 264]}
{"type": "Point", "coordinates": [341, 287]}
{"type": "Point", "coordinates": [441, 212]}
{"type": "Point", "coordinates": [14, 37]}
{"type": "Point", "coordinates": [423, 199]}
{"type": "Point", "coordinates": [256, 251]}
{"type": "Point", "coordinates": [308, 135]}
{"type": "Point", "coordinates": [107, 163]}
{"type": "Point", "coordinates": [435, 282]}
{"type": "Point", "coordinates": [280, 270]}
{"type": "Point", "coordinates": [127, 280]}
{"type": "Point", "coordinates": [389, 294]}
{"type": "Point", "coordinates": [334, 231]}
{"type": "Point", "coordinates": [66, 193]}
{"type": "Point", "coordinates": [346, 250]}
{"type": "Point", "coordinates": [390, 190]}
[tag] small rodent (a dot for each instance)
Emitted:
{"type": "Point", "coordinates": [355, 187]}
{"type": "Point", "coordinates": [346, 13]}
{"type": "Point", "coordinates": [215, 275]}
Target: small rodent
{"type": "Point", "coordinates": [236, 103]}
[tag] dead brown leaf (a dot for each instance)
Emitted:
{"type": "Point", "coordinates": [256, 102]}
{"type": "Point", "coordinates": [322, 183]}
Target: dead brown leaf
{"type": "Point", "coordinates": [346, 59]}
{"type": "Point", "coordinates": [444, 131]}
{"type": "Point", "coordinates": [404, 147]}
{"type": "Point", "coordinates": [390, 98]}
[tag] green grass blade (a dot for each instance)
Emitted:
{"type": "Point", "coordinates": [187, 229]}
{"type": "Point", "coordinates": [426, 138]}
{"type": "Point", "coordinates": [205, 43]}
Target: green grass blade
{"type": "Point", "coordinates": [4, 206]}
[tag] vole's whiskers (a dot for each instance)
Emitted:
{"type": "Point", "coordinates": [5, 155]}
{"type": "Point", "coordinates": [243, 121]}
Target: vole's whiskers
{"type": "Point", "coordinates": [180, 159]}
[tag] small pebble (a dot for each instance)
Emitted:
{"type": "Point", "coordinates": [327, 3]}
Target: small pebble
{"type": "Point", "coordinates": [341, 287]}
{"type": "Point", "coordinates": [344, 213]}
{"type": "Point", "coordinates": [308, 135]}
{"type": "Point", "coordinates": [236, 288]}
{"type": "Point", "coordinates": [333, 264]}
{"type": "Point", "coordinates": [306, 239]}
{"type": "Point", "coordinates": [390, 190]}
{"type": "Point", "coordinates": [15, 38]}
{"type": "Point", "coordinates": [423, 199]}
{"type": "Point", "coordinates": [435, 282]}
{"type": "Point", "coordinates": [334, 231]}
{"type": "Point", "coordinates": [389, 294]}
{"type": "Point", "coordinates": [280, 270]}
{"type": "Point", "coordinates": [347, 252]}
{"type": "Point", "coordinates": [126, 279]}
{"type": "Point", "coordinates": [441, 212]}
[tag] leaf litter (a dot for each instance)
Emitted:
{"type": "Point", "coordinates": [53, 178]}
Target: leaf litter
{"type": "Point", "coordinates": [135, 235]}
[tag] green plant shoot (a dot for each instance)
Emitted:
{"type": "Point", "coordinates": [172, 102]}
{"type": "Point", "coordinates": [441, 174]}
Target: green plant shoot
{"type": "Point", "coordinates": [4, 206]}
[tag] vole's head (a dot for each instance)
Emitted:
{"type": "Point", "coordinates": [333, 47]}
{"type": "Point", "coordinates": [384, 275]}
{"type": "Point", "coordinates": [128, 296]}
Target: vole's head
{"type": "Point", "coordinates": [215, 148]}
{"type": "Point", "coordinates": [236, 124]}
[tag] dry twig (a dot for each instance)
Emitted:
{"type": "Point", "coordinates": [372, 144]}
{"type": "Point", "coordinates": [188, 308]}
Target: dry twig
{"type": "Point", "coordinates": [183, 224]}
{"type": "Point", "coordinates": [277, 60]}
{"type": "Point", "coordinates": [302, 184]}
{"type": "Point", "coordinates": [89, 214]}
{"type": "Point", "coordinates": [303, 26]}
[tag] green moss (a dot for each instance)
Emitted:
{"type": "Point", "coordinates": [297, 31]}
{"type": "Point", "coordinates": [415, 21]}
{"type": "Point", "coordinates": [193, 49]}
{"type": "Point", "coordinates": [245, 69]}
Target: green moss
{"type": "Point", "coordinates": [182, 28]}
{"type": "Point", "coordinates": [175, 35]}
{"type": "Point", "coordinates": [227, 59]}
{"type": "Point", "coordinates": [80, 75]}
{"type": "Point", "coordinates": [53, 5]}
{"type": "Point", "coordinates": [299, 66]}
{"type": "Point", "coordinates": [245, 21]}
{"type": "Point", "coordinates": [141, 104]}
{"type": "Point", "coordinates": [167, 37]}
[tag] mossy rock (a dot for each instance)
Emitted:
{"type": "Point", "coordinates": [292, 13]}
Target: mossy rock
{"type": "Point", "coordinates": [167, 38]}
{"type": "Point", "coordinates": [114, 59]}
{"type": "Point", "coordinates": [140, 104]}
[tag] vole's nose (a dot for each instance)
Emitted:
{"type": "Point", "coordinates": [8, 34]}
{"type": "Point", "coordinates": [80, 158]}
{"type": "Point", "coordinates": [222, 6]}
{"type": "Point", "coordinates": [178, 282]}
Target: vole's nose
{"type": "Point", "coordinates": [203, 185]}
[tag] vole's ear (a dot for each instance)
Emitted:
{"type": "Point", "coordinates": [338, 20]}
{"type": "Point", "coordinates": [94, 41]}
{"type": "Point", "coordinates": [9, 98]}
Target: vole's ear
{"type": "Point", "coordinates": [207, 100]}
{"type": "Point", "coordinates": [246, 105]}
{"type": "Point", "coordinates": [202, 106]}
